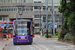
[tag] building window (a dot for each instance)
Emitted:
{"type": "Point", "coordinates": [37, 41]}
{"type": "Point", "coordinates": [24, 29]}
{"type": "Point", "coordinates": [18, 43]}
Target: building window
{"type": "Point", "coordinates": [36, 16]}
{"type": "Point", "coordinates": [9, 1]}
{"type": "Point", "coordinates": [44, 8]}
{"type": "Point", "coordinates": [5, 19]}
{"type": "Point", "coordinates": [1, 1]}
{"type": "Point", "coordinates": [37, 1]}
{"type": "Point", "coordinates": [57, 20]}
{"type": "Point", "coordinates": [14, 1]}
{"type": "Point", "coordinates": [60, 18]}
{"type": "Point", "coordinates": [0, 18]}
{"type": "Point", "coordinates": [0, 9]}
{"type": "Point", "coordinates": [44, 19]}
{"type": "Point", "coordinates": [57, 15]}
{"type": "Point", "coordinates": [7, 10]}
{"type": "Point", "coordinates": [27, 9]}
{"type": "Point", "coordinates": [36, 25]}
{"type": "Point", "coordinates": [24, 0]}
{"type": "Point", "coordinates": [36, 7]}
{"type": "Point", "coordinates": [31, 9]}
{"type": "Point", "coordinates": [48, 18]}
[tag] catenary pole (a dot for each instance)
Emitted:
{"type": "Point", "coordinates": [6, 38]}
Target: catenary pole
{"type": "Point", "coordinates": [40, 20]}
{"type": "Point", "coordinates": [47, 18]}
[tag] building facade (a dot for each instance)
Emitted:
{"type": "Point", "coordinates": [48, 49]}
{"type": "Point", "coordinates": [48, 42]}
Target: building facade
{"type": "Point", "coordinates": [9, 9]}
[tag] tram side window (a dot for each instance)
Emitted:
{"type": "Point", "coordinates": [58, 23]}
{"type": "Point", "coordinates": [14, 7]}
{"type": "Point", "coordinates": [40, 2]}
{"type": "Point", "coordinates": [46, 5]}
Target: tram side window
{"type": "Point", "coordinates": [13, 33]}
{"type": "Point", "coordinates": [28, 28]}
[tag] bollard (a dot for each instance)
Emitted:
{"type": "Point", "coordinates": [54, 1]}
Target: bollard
{"type": "Point", "coordinates": [7, 37]}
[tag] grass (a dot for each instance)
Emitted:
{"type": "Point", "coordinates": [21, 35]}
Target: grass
{"type": "Point", "coordinates": [54, 36]}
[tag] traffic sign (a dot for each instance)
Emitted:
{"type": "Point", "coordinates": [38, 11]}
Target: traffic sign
{"type": "Point", "coordinates": [7, 24]}
{"type": "Point", "coordinates": [2, 24]}
{"type": "Point", "coordinates": [51, 24]}
{"type": "Point", "coordinates": [55, 25]}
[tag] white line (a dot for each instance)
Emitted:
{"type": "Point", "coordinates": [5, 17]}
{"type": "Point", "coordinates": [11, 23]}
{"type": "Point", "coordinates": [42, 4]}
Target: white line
{"type": "Point", "coordinates": [32, 48]}
{"type": "Point", "coordinates": [37, 47]}
{"type": "Point", "coordinates": [43, 46]}
{"type": "Point", "coordinates": [18, 48]}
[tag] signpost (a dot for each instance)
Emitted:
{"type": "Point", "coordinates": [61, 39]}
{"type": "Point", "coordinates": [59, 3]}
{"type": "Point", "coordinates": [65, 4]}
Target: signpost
{"type": "Point", "coordinates": [51, 24]}
{"type": "Point", "coordinates": [2, 24]}
{"type": "Point", "coordinates": [43, 26]}
{"type": "Point", "coordinates": [55, 25]}
{"type": "Point", "coordinates": [7, 24]}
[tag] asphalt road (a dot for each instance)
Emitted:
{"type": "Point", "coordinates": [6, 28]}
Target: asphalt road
{"type": "Point", "coordinates": [41, 44]}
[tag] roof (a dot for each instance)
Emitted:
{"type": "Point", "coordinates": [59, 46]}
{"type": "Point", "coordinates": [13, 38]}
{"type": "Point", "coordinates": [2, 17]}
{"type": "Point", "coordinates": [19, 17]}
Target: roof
{"type": "Point", "coordinates": [6, 22]}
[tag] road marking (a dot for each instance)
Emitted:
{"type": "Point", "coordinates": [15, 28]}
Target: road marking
{"type": "Point", "coordinates": [43, 46]}
{"type": "Point", "coordinates": [37, 47]}
{"type": "Point", "coordinates": [18, 48]}
{"type": "Point", "coordinates": [32, 48]}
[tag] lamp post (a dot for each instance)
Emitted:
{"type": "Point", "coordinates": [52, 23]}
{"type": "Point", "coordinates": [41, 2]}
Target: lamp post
{"type": "Point", "coordinates": [52, 16]}
{"type": "Point", "coordinates": [47, 18]}
{"type": "Point", "coordinates": [40, 20]}
{"type": "Point", "coordinates": [20, 10]}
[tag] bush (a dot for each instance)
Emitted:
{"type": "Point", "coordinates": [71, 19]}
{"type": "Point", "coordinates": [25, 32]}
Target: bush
{"type": "Point", "coordinates": [68, 36]}
{"type": "Point", "coordinates": [49, 34]}
{"type": "Point", "coordinates": [54, 36]}
{"type": "Point", "coordinates": [63, 32]}
{"type": "Point", "coordinates": [59, 35]}
{"type": "Point", "coordinates": [71, 21]}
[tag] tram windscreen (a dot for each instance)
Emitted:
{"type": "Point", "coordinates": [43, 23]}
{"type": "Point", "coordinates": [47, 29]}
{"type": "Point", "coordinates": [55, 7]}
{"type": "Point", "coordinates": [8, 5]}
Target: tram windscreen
{"type": "Point", "coordinates": [22, 28]}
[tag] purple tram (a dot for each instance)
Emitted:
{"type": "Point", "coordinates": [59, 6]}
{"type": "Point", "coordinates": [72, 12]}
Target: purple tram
{"type": "Point", "coordinates": [23, 31]}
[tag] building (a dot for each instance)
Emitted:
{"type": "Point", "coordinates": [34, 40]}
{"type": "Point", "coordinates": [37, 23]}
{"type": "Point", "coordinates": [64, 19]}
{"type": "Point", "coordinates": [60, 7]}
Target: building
{"type": "Point", "coordinates": [8, 10]}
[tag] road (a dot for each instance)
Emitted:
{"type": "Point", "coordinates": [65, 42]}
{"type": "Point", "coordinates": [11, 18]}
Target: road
{"type": "Point", "coordinates": [41, 44]}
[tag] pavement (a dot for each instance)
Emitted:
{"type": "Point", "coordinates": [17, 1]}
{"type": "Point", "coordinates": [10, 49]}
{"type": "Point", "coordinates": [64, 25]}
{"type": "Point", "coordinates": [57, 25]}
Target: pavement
{"type": "Point", "coordinates": [43, 37]}
{"type": "Point", "coordinates": [2, 46]}
{"type": "Point", "coordinates": [3, 43]}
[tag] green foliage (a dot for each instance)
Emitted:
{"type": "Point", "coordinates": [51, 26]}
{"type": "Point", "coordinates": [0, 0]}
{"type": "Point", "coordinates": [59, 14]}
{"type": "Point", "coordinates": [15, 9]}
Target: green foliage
{"type": "Point", "coordinates": [54, 36]}
{"type": "Point", "coordinates": [63, 32]}
{"type": "Point", "coordinates": [66, 13]}
{"type": "Point", "coordinates": [48, 34]}
{"type": "Point", "coordinates": [61, 7]}
{"type": "Point", "coordinates": [58, 35]}
{"type": "Point", "coordinates": [71, 21]}
{"type": "Point", "coordinates": [68, 36]}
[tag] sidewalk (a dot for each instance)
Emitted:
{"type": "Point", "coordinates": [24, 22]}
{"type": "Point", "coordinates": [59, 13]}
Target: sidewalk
{"type": "Point", "coordinates": [2, 46]}
{"type": "Point", "coordinates": [3, 43]}
{"type": "Point", "coordinates": [46, 38]}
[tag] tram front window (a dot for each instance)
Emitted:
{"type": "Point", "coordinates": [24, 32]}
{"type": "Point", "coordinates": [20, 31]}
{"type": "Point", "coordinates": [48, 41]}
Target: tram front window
{"type": "Point", "coordinates": [22, 29]}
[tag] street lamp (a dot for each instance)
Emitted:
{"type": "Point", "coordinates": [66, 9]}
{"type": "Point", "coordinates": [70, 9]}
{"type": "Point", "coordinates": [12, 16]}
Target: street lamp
{"type": "Point", "coordinates": [20, 9]}
{"type": "Point", "coordinates": [40, 20]}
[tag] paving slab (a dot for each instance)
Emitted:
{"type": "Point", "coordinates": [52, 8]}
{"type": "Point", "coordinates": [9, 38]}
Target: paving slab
{"type": "Point", "coordinates": [2, 45]}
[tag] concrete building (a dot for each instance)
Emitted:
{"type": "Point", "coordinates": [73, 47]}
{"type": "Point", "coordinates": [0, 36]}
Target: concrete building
{"type": "Point", "coordinates": [8, 10]}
